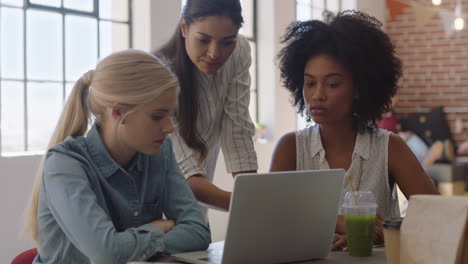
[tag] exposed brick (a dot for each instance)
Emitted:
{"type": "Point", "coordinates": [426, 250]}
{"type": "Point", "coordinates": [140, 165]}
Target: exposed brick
{"type": "Point", "coordinates": [435, 67]}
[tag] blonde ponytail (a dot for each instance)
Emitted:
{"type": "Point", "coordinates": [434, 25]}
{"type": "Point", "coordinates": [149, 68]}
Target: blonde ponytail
{"type": "Point", "coordinates": [72, 122]}
{"type": "Point", "coordinates": [129, 78]}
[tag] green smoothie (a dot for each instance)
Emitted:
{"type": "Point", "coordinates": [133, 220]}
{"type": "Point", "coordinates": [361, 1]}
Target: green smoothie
{"type": "Point", "coordinates": [360, 234]}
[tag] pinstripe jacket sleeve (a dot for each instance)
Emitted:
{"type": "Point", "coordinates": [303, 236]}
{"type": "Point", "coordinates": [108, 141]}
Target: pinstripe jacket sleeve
{"type": "Point", "coordinates": [237, 129]}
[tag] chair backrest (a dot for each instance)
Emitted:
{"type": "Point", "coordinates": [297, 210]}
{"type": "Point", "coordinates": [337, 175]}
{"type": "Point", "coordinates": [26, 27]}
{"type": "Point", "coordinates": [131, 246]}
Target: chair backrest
{"type": "Point", "coordinates": [25, 257]}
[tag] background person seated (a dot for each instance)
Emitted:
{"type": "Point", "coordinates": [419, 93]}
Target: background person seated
{"type": "Point", "coordinates": [428, 135]}
{"type": "Point", "coordinates": [427, 151]}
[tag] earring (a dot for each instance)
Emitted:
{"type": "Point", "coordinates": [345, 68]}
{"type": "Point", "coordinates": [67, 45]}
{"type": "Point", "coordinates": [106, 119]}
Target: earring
{"type": "Point", "coordinates": [354, 106]}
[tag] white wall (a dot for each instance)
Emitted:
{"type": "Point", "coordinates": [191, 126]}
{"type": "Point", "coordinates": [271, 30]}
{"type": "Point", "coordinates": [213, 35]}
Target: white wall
{"type": "Point", "coordinates": [376, 8]}
{"type": "Point", "coordinates": [154, 23]}
{"type": "Point", "coordinates": [17, 174]}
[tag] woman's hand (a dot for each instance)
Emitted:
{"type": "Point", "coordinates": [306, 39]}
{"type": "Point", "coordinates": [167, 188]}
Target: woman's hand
{"type": "Point", "coordinates": [339, 242]}
{"type": "Point", "coordinates": [165, 225]}
{"type": "Point", "coordinates": [340, 227]}
{"type": "Point", "coordinates": [378, 230]}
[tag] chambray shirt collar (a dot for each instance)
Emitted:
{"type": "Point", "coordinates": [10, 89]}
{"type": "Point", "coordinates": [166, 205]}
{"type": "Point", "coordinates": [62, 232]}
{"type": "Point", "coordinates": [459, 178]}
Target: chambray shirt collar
{"type": "Point", "coordinates": [103, 160]}
{"type": "Point", "coordinates": [361, 148]}
{"type": "Point", "coordinates": [136, 163]}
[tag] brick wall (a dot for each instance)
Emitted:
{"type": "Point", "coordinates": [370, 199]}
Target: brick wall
{"type": "Point", "coordinates": [435, 68]}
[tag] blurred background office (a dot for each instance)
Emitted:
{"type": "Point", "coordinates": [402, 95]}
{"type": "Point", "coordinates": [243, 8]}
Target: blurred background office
{"type": "Point", "coordinates": [45, 45]}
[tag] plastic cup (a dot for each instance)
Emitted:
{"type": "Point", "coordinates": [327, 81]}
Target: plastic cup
{"type": "Point", "coordinates": [359, 210]}
{"type": "Point", "coordinates": [391, 228]}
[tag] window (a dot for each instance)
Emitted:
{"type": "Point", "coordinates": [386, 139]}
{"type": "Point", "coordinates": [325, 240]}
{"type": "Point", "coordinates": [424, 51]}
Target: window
{"type": "Point", "coordinates": [249, 31]}
{"type": "Point", "coordinates": [45, 46]}
{"type": "Point", "coordinates": [319, 10]}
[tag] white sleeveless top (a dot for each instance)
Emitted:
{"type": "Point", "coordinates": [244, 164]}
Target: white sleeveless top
{"type": "Point", "coordinates": [369, 165]}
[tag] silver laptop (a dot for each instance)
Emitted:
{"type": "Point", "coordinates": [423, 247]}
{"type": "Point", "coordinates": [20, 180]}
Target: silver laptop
{"type": "Point", "coordinates": [278, 217]}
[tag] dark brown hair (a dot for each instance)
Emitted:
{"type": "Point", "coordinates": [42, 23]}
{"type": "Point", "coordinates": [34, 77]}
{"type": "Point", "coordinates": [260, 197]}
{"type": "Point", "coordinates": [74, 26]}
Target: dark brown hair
{"type": "Point", "coordinates": [357, 41]}
{"type": "Point", "coordinates": [175, 54]}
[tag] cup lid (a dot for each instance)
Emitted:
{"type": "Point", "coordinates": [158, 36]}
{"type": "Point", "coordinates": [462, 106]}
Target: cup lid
{"type": "Point", "coordinates": [392, 223]}
{"type": "Point", "coordinates": [359, 199]}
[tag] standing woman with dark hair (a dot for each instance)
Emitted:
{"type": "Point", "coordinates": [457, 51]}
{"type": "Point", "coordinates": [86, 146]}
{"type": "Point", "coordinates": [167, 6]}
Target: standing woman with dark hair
{"type": "Point", "coordinates": [211, 61]}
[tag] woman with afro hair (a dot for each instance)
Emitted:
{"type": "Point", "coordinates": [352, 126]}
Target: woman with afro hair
{"type": "Point", "coordinates": [342, 75]}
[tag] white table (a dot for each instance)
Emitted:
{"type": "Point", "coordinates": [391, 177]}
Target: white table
{"type": "Point", "coordinates": [378, 257]}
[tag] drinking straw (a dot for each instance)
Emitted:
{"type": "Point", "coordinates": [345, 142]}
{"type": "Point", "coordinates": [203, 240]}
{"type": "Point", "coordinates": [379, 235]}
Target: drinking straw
{"type": "Point", "coordinates": [353, 191]}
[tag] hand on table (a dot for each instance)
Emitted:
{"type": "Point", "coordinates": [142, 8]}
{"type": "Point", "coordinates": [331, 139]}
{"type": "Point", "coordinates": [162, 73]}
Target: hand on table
{"type": "Point", "coordinates": [378, 230]}
{"type": "Point", "coordinates": [165, 225]}
{"type": "Point", "coordinates": [339, 242]}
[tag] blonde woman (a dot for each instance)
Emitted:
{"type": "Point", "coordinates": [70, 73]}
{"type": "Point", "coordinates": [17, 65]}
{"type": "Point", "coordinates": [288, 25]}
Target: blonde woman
{"type": "Point", "coordinates": [100, 195]}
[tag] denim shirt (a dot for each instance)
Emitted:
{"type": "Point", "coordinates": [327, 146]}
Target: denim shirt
{"type": "Point", "coordinates": [91, 210]}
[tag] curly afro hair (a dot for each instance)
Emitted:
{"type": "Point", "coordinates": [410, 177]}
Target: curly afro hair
{"type": "Point", "coordinates": [356, 40]}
